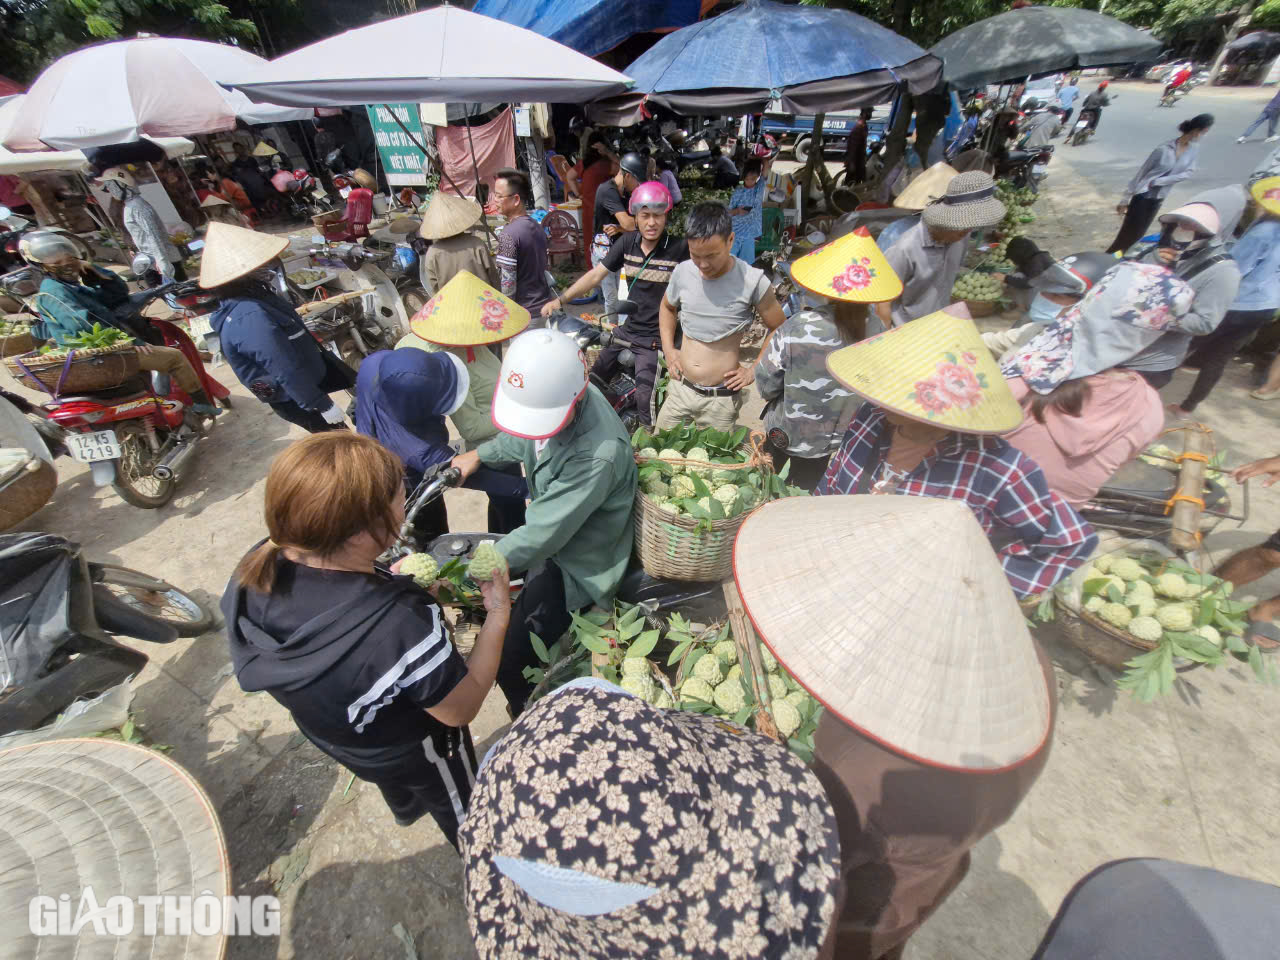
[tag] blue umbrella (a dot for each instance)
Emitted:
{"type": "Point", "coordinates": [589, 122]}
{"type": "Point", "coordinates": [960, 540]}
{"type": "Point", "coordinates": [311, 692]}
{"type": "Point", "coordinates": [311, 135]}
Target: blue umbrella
{"type": "Point", "coordinates": [810, 58]}
{"type": "Point", "coordinates": [591, 26]}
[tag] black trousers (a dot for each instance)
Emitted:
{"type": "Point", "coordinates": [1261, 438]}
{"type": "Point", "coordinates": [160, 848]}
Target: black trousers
{"type": "Point", "coordinates": [308, 420]}
{"type": "Point", "coordinates": [1142, 210]}
{"type": "Point", "coordinates": [1212, 352]}
{"type": "Point", "coordinates": [806, 472]}
{"type": "Point", "coordinates": [539, 609]}
{"type": "Point", "coordinates": [506, 513]}
{"type": "Point", "coordinates": [606, 367]}
{"type": "Point", "coordinates": [1157, 378]}
{"type": "Point", "coordinates": [438, 784]}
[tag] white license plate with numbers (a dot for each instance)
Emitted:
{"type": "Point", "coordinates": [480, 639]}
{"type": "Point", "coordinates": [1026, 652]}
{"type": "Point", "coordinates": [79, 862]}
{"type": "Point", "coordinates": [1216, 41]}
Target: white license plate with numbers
{"type": "Point", "coordinates": [91, 447]}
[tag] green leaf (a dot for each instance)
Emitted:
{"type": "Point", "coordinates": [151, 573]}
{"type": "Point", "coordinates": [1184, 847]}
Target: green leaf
{"type": "Point", "coordinates": [785, 471]}
{"type": "Point", "coordinates": [1235, 643]}
{"type": "Point", "coordinates": [630, 630]}
{"type": "Point", "coordinates": [678, 652]}
{"type": "Point", "coordinates": [1191, 646]}
{"type": "Point", "coordinates": [1255, 661]}
{"type": "Point", "coordinates": [539, 648]}
{"type": "Point", "coordinates": [127, 730]}
{"type": "Point", "coordinates": [597, 617]}
{"type": "Point", "coordinates": [1207, 608]}
{"type": "Point", "coordinates": [742, 716]}
{"type": "Point", "coordinates": [533, 674]}
{"type": "Point", "coordinates": [698, 654]}
{"type": "Point", "coordinates": [644, 646]}
{"type": "Point", "coordinates": [609, 672]}
{"type": "Point", "coordinates": [595, 644]}
{"type": "Point", "coordinates": [585, 626]}
{"type": "Point", "coordinates": [801, 749]}
{"type": "Point", "coordinates": [1114, 593]}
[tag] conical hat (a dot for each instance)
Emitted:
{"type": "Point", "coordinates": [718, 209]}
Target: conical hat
{"type": "Point", "coordinates": [930, 185]}
{"type": "Point", "coordinates": [213, 200]}
{"type": "Point", "coordinates": [231, 252]}
{"type": "Point", "coordinates": [1267, 193]}
{"type": "Point", "coordinates": [448, 215]}
{"type": "Point", "coordinates": [936, 370]}
{"type": "Point", "coordinates": [467, 312]}
{"type": "Point", "coordinates": [851, 268]}
{"type": "Point", "coordinates": [903, 624]}
{"type": "Point", "coordinates": [264, 149]}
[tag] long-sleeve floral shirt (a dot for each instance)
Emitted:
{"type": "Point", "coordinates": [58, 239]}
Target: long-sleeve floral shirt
{"type": "Point", "coordinates": [1038, 538]}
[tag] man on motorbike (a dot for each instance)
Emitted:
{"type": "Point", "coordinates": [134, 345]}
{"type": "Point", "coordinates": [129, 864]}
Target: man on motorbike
{"type": "Point", "coordinates": [577, 538]}
{"type": "Point", "coordinates": [1094, 103]}
{"type": "Point", "coordinates": [1179, 78]}
{"type": "Point", "coordinates": [647, 257]}
{"type": "Point", "coordinates": [266, 343]}
{"type": "Point", "coordinates": [75, 294]}
{"type": "Point", "coordinates": [1040, 127]}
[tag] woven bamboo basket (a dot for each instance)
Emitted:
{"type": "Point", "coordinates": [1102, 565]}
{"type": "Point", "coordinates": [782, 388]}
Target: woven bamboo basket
{"type": "Point", "coordinates": [17, 343]}
{"type": "Point", "coordinates": [671, 546]}
{"type": "Point", "coordinates": [27, 492]}
{"type": "Point", "coordinates": [982, 308]}
{"type": "Point", "coordinates": [1100, 641]}
{"type": "Point", "coordinates": [81, 372]}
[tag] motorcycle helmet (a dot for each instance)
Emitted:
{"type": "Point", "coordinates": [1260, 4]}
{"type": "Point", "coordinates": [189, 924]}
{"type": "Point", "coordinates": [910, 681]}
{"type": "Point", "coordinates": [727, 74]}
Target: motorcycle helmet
{"type": "Point", "coordinates": [544, 373]}
{"type": "Point", "coordinates": [650, 195]}
{"type": "Point", "coordinates": [1031, 103]}
{"type": "Point", "coordinates": [1090, 266]}
{"type": "Point", "coordinates": [636, 165]}
{"type": "Point", "coordinates": [55, 253]}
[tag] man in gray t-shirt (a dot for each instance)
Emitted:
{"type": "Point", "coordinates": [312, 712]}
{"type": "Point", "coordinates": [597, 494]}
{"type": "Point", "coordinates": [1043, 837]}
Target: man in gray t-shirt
{"type": "Point", "coordinates": [712, 297]}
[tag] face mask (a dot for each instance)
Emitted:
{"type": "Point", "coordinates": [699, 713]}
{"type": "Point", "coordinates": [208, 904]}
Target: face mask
{"type": "Point", "coordinates": [1183, 240]}
{"type": "Point", "coordinates": [1043, 310]}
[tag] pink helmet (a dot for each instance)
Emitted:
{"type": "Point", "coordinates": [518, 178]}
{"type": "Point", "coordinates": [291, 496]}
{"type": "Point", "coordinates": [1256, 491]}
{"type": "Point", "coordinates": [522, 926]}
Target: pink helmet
{"type": "Point", "coordinates": [650, 195]}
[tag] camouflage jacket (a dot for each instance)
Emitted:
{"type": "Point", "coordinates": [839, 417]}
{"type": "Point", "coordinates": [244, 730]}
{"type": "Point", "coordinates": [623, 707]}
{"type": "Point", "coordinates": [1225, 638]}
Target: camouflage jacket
{"type": "Point", "coordinates": [801, 398]}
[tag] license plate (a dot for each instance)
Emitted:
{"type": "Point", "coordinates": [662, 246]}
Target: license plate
{"type": "Point", "coordinates": [1039, 169]}
{"type": "Point", "coordinates": [200, 326]}
{"type": "Point", "coordinates": [1080, 125]}
{"type": "Point", "coordinates": [91, 447]}
{"type": "Point", "coordinates": [344, 192]}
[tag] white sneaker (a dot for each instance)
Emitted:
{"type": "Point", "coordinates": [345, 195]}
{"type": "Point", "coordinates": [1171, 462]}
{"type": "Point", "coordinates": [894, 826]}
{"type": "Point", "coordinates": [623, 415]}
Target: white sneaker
{"type": "Point", "coordinates": [1272, 139]}
{"type": "Point", "coordinates": [1239, 139]}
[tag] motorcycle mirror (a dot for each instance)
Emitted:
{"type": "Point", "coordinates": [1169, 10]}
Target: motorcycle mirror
{"type": "Point", "coordinates": [141, 264]}
{"type": "Point", "coordinates": [625, 308]}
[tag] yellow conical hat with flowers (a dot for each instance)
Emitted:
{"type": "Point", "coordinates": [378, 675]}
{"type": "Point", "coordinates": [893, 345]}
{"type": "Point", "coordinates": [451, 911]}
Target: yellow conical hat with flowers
{"type": "Point", "coordinates": [1267, 193]}
{"type": "Point", "coordinates": [936, 370]}
{"type": "Point", "coordinates": [851, 268]}
{"type": "Point", "coordinates": [467, 312]}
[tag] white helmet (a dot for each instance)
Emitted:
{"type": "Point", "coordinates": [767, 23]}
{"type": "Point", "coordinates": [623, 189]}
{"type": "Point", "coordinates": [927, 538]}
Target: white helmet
{"type": "Point", "coordinates": [543, 375]}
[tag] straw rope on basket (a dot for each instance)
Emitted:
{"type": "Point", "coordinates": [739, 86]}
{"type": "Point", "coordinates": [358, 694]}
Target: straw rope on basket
{"type": "Point", "coordinates": [79, 371]}
{"type": "Point", "coordinates": [17, 343]}
{"type": "Point", "coordinates": [671, 546]}
{"type": "Point", "coordinates": [27, 492]}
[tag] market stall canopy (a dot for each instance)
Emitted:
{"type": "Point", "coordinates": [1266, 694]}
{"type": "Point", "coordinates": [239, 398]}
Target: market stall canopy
{"type": "Point", "coordinates": [810, 58]}
{"type": "Point", "coordinates": [152, 86]}
{"type": "Point", "coordinates": [445, 54]}
{"type": "Point", "coordinates": [72, 161]}
{"type": "Point", "coordinates": [1039, 40]}
{"type": "Point", "coordinates": [593, 26]}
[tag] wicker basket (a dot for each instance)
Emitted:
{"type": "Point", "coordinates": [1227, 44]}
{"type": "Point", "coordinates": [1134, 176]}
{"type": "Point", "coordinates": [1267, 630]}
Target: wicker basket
{"type": "Point", "coordinates": [83, 371]}
{"type": "Point", "coordinates": [27, 492]}
{"type": "Point", "coordinates": [982, 308]}
{"type": "Point", "coordinates": [16, 344]}
{"type": "Point", "coordinates": [670, 546]}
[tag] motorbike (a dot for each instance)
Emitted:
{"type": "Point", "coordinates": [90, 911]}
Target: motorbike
{"type": "Point", "coordinates": [60, 614]}
{"type": "Point", "coordinates": [402, 267]}
{"type": "Point", "coordinates": [302, 194]}
{"type": "Point", "coordinates": [1180, 92]}
{"type": "Point", "coordinates": [1026, 168]}
{"type": "Point", "coordinates": [378, 315]}
{"type": "Point", "coordinates": [1135, 502]}
{"type": "Point", "coordinates": [140, 436]}
{"type": "Point", "coordinates": [1085, 122]}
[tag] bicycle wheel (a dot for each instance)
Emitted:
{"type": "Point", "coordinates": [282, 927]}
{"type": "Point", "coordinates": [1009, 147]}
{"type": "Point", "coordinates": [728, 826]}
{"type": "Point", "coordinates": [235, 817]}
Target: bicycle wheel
{"type": "Point", "coordinates": [154, 598]}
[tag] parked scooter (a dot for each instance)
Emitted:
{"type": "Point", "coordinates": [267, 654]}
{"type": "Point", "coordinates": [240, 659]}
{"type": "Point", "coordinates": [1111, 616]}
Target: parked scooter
{"type": "Point", "coordinates": [138, 437]}
{"type": "Point", "coordinates": [1026, 168]}
{"type": "Point", "coordinates": [58, 615]}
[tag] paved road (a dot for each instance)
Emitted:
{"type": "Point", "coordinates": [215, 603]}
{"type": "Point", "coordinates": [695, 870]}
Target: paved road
{"type": "Point", "coordinates": [1132, 126]}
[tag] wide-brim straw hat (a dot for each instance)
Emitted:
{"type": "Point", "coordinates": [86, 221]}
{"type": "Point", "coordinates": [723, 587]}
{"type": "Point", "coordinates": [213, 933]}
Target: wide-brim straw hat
{"type": "Point", "coordinates": [1267, 193]}
{"type": "Point", "coordinates": [927, 187]}
{"type": "Point", "coordinates": [851, 268]}
{"type": "Point", "coordinates": [263, 149]}
{"type": "Point", "coordinates": [231, 252]}
{"type": "Point", "coordinates": [1203, 215]}
{"type": "Point", "coordinates": [467, 312]}
{"type": "Point", "coordinates": [603, 827]}
{"type": "Point", "coordinates": [447, 215]}
{"type": "Point", "coordinates": [213, 200]}
{"type": "Point", "coordinates": [117, 817]}
{"type": "Point", "coordinates": [936, 370]}
{"type": "Point", "coordinates": [934, 660]}
{"type": "Point", "coordinates": [969, 203]}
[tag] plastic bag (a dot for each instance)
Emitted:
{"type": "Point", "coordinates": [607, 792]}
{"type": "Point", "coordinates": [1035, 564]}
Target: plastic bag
{"type": "Point", "coordinates": [84, 718]}
{"type": "Point", "coordinates": [36, 608]}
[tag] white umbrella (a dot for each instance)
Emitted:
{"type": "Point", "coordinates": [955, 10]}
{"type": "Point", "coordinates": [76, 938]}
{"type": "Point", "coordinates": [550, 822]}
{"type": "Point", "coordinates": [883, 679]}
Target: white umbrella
{"type": "Point", "coordinates": [69, 160]}
{"type": "Point", "coordinates": [157, 86]}
{"type": "Point", "coordinates": [442, 55]}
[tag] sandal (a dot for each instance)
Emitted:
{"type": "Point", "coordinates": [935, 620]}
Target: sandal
{"type": "Point", "coordinates": [1264, 395]}
{"type": "Point", "coordinates": [1264, 635]}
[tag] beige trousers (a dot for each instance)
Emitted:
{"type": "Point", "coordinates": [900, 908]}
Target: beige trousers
{"type": "Point", "coordinates": [685, 403]}
{"type": "Point", "coordinates": [170, 360]}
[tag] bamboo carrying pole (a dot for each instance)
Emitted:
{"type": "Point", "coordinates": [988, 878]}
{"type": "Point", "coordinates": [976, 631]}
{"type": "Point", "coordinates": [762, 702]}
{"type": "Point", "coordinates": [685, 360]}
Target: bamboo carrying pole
{"type": "Point", "coordinates": [1188, 500]}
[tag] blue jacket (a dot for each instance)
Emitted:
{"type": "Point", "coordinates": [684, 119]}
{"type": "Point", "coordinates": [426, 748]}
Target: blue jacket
{"type": "Point", "coordinates": [69, 309]}
{"type": "Point", "coordinates": [271, 351]}
{"type": "Point", "coordinates": [1257, 253]}
{"type": "Point", "coordinates": [403, 397]}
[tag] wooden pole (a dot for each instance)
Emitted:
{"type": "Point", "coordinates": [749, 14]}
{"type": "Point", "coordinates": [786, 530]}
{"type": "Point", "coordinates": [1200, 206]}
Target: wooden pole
{"type": "Point", "coordinates": [1186, 512]}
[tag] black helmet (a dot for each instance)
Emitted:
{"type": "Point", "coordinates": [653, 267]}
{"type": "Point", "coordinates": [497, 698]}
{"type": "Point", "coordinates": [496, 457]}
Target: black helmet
{"type": "Point", "coordinates": [1031, 103]}
{"type": "Point", "coordinates": [636, 165]}
{"type": "Point", "coordinates": [1089, 266]}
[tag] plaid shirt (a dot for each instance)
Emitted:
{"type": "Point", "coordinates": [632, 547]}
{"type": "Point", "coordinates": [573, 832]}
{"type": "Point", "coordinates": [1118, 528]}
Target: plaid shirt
{"type": "Point", "coordinates": [1038, 537]}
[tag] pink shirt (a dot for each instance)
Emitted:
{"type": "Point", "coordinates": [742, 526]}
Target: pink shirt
{"type": "Point", "coordinates": [1122, 415]}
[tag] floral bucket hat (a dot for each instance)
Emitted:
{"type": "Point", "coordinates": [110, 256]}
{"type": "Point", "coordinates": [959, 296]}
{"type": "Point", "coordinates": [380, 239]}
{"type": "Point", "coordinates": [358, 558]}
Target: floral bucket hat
{"type": "Point", "coordinates": [602, 826]}
{"type": "Point", "coordinates": [467, 312]}
{"type": "Point", "coordinates": [851, 268]}
{"type": "Point", "coordinates": [935, 369]}
{"type": "Point", "coordinates": [1129, 309]}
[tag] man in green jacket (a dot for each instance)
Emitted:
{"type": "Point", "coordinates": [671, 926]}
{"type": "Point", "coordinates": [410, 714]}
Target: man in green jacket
{"type": "Point", "coordinates": [577, 536]}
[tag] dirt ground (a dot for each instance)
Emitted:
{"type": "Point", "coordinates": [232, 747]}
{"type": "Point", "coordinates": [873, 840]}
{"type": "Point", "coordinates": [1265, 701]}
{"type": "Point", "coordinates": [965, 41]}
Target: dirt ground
{"type": "Point", "coordinates": [1177, 778]}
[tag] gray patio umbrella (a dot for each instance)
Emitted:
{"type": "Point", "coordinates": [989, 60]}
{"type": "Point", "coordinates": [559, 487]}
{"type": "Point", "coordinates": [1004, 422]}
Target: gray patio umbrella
{"type": "Point", "coordinates": [1038, 40]}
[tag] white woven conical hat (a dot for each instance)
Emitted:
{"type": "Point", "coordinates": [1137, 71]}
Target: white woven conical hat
{"type": "Point", "coordinates": [231, 252]}
{"type": "Point", "coordinates": [447, 215]}
{"type": "Point", "coordinates": [894, 612]}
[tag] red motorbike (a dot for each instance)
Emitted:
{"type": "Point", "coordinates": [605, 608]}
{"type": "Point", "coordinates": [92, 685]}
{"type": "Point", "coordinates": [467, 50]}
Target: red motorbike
{"type": "Point", "coordinates": [139, 436]}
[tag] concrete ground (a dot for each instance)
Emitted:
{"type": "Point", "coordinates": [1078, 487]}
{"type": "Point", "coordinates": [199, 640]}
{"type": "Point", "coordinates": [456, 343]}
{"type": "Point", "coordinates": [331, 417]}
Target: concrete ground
{"type": "Point", "coordinates": [1187, 778]}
